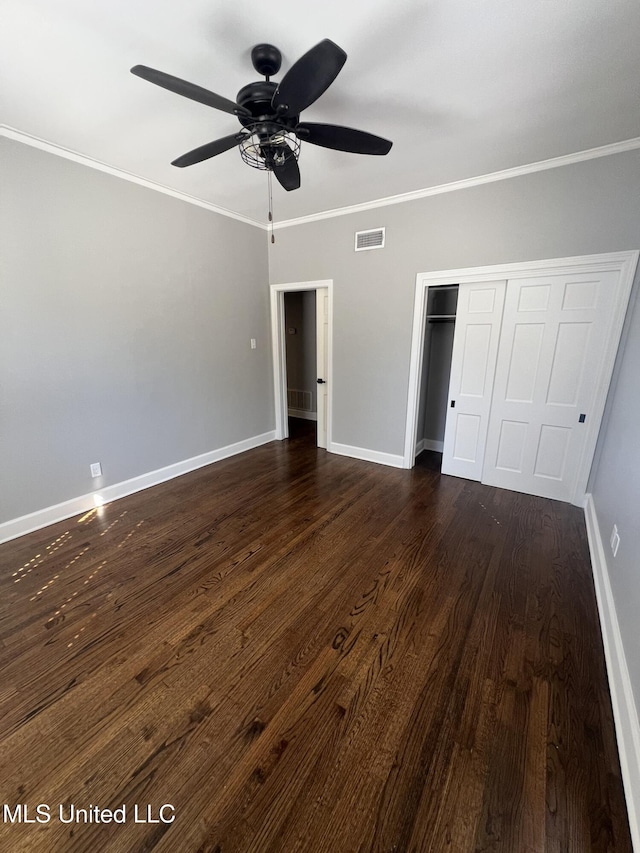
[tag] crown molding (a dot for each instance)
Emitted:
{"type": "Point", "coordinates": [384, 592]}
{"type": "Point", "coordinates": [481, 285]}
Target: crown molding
{"type": "Point", "coordinates": [454, 186]}
{"type": "Point", "coordinates": [68, 154]}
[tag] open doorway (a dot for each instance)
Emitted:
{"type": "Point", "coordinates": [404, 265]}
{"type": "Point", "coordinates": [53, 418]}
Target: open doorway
{"type": "Point", "coordinates": [301, 361]}
{"type": "Point", "coordinates": [301, 319]}
{"type": "Point", "coordinates": [439, 327]}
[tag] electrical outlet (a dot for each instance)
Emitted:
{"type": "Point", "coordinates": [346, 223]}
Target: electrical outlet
{"type": "Point", "coordinates": [253, 343]}
{"type": "Point", "coordinates": [96, 469]}
{"type": "Point", "coordinates": [615, 540]}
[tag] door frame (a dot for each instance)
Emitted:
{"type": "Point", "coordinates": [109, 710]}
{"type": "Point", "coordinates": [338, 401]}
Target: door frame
{"type": "Point", "coordinates": [279, 352]}
{"type": "Point", "coordinates": [623, 262]}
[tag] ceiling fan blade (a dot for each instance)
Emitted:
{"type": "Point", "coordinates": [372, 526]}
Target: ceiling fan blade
{"type": "Point", "coordinates": [188, 90]}
{"type": "Point", "coordinates": [342, 138]}
{"type": "Point", "coordinates": [204, 152]}
{"type": "Point", "coordinates": [287, 173]}
{"type": "Point", "coordinates": [308, 78]}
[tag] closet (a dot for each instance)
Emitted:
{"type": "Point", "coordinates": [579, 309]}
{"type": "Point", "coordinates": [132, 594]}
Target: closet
{"type": "Point", "coordinates": [438, 347]}
{"type": "Point", "coordinates": [515, 371]}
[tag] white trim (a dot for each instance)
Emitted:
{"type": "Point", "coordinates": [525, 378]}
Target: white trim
{"type": "Point", "coordinates": [68, 154]}
{"type": "Point", "coordinates": [625, 262]}
{"type": "Point", "coordinates": [278, 352]}
{"type": "Point", "coordinates": [624, 709]}
{"type": "Point", "coordinates": [301, 413]}
{"type": "Point", "coordinates": [427, 444]}
{"type": "Point", "coordinates": [466, 183]}
{"type": "Point", "coordinates": [528, 269]}
{"type": "Point", "coordinates": [52, 514]}
{"type": "Point", "coordinates": [366, 455]}
{"type": "Point", "coordinates": [415, 369]}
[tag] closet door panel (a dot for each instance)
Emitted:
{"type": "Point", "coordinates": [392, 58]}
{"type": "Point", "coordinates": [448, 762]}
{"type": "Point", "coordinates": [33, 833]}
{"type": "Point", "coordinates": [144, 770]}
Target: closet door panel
{"type": "Point", "coordinates": [465, 445]}
{"type": "Point", "coordinates": [476, 353]}
{"type": "Point", "coordinates": [553, 332]}
{"type": "Point", "coordinates": [475, 347]}
{"type": "Point", "coordinates": [511, 445]}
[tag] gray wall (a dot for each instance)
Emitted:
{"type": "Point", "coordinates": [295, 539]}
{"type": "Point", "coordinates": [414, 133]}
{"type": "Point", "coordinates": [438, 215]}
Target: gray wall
{"type": "Point", "coordinates": [300, 314]}
{"type": "Point", "coordinates": [615, 485]}
{"type": "Point", "coordinates": [574, 210]}
{"type": "Point", "coordinates": [437, 358]}
{"type": "Point", "coordinates": [125, 325]}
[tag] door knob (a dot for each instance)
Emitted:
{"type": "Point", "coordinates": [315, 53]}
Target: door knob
{"type": "Point", "coordinates": [320, 381]}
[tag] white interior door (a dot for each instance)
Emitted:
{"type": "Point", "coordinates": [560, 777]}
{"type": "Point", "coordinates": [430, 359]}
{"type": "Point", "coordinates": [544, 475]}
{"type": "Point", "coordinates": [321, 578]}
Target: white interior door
{"type": "Point", "coordinates": [322, 347]}
{"type": "Point", "coordinates": [554, 332]}
{"type": "Point", "coordinates": [475, 347]}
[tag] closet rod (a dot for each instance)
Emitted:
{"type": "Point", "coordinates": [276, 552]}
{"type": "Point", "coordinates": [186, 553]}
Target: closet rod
{"type": "Point", "coordinates": [443, 319]}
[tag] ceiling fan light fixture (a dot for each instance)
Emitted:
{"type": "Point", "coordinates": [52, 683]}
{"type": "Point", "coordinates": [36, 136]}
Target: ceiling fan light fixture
{"type": "Point", "coordinates": [265, 152]}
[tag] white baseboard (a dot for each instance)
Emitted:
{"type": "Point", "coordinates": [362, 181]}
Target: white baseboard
{"type": "Point", "coordinates": [624, 708]}
{"type": "Point", "coordinates": [52, 514]}
{"type": "Point", "coordinates": [429, 444]}
{"type": "Point", "coordinates": [367, 455]}
{"type": "Point", "coordinates": [300, 413]}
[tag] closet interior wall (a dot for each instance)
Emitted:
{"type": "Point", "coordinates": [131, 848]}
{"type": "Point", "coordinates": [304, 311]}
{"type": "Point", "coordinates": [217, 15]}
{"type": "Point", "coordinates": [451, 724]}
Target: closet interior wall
{"type": "Point", "coordinates": [436, 366]}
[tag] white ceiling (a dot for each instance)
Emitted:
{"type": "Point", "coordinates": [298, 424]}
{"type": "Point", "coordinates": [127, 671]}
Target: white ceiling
{"type": "Point", "coordinates": [462, 87]}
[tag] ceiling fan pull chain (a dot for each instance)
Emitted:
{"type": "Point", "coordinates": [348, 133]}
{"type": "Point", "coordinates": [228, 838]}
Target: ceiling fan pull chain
{"type": "Point", "coordinates": [273, 239]}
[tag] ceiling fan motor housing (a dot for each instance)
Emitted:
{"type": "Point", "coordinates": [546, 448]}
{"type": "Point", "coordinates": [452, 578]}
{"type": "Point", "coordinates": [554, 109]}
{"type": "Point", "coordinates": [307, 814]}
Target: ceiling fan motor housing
{"type": "Point", "coordinates": [257, 97]}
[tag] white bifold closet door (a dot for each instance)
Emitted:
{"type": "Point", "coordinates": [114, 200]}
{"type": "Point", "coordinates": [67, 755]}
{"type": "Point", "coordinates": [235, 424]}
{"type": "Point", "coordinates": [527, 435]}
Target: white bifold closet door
{"type": "Point", "coordinates": [473, 363]}
{"type": "Point", "coordinates": [553, 333]}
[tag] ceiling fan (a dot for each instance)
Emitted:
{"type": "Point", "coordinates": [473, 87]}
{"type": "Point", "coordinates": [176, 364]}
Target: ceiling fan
{"type": "Point", "coordinates": [270, 112]}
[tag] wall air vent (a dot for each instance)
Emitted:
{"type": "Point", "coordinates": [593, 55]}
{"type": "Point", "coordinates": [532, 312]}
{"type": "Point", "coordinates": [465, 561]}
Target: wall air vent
{"type": "Point", "coordinates": [300, 400]}
{"type": "Point", "coordinates": [373, 239]}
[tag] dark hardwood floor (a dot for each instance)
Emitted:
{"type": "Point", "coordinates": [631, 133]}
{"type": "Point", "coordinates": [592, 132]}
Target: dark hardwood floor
{"type": "Point", "coordinates": [302, 652]}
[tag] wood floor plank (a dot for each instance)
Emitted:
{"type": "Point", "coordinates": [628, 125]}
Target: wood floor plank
{"type": "Point", "coordinates": [303, 652]}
